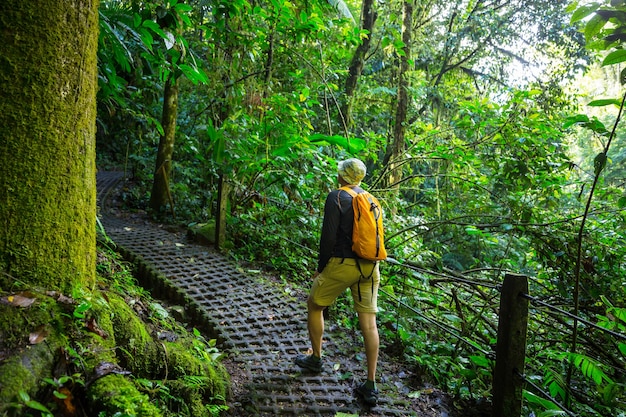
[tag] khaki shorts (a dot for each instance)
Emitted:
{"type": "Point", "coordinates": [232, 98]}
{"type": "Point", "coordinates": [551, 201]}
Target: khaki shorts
{"type": "Point", "coordinates": [340, 274]}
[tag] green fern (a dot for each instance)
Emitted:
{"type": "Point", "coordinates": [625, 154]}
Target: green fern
{"type": "Point", "coordinates": [589, 367]}
{"type": "Point", "coordinates": [555, 384]}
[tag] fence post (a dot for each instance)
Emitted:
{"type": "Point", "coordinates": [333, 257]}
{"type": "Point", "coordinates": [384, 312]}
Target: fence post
{"type": "Point", "coordinates": [510, 348]}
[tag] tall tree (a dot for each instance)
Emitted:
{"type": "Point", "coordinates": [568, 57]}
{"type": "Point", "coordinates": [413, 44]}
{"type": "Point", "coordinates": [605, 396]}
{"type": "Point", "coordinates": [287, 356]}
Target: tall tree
{"type": "Point", "coordinates": [398, 141]}
{"type": "Point", "coordinates": [172, 22]}
{"type": "Point", "coordinates": [160, 187]}
{"type": "Point", "coordinates": [47, 143]}
{"type": "Point", "coordinates": [368, 18]}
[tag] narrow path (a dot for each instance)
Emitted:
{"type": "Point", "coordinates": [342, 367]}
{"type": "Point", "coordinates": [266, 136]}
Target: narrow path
{"type": "Point", "coordinates": [260, 326]}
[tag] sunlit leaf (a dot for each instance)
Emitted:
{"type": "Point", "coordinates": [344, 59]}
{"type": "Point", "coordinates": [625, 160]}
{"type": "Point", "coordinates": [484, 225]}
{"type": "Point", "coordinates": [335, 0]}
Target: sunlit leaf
{"type": "Point", "coordinates": [23, 396]}
{"type": "Point", "coordinates": [81, 309]}
{"type": "Point", "coordinates": [473, 231]}
{"type": "Point", "coordinates": [583, 12]}
{"type": "Point", "coordinates": [573, 120]}
{"type": "Point", "coordinates": [353, 145]}
{"type": "Point", "coordinates": [589, 368]}
{"type": "Point", "coordinates": [59, 395]}
{"type": "Point", "coordinates": [594, 26]}
{"type": "Point", "coordinates": [615, 57]}
{"type": "Point", "coordinates": [604, 102]}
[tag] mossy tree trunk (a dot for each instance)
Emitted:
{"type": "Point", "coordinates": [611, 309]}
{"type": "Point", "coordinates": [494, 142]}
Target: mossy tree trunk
{"type": "Point", "coordinates": [48, 74]}
{"type": "Point", "coordinates": [161, 196]}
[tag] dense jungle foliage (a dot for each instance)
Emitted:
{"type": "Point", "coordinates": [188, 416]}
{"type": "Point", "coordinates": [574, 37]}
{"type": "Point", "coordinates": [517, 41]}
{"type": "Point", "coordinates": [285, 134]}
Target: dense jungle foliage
{"type": "Point", "coordinates": [492, 135]}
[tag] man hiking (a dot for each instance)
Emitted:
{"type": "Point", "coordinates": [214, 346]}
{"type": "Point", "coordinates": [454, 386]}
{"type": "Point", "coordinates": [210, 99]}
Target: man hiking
{"type": "Point", "coordinates": [339, 268]}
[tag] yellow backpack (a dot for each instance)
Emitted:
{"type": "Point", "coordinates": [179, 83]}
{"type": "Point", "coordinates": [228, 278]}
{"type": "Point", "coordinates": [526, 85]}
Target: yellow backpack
{"type": "Point", "coordinates": [368, 240]}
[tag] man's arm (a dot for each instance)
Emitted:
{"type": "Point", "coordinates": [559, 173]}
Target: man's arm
{"type": "Point", "coordinates": [329, 230]}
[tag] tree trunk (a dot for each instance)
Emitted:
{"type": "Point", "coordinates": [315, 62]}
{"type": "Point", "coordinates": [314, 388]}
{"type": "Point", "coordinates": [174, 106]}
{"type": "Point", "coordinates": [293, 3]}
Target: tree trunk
{"type": "Point", "coordinates": [356, 65]}
{"type": "Point", "coordinates": [160, 187]}
{"type": "Point", "coordinates": [398, 145]}
{"type": "Point", "coordinates": [48, 74]}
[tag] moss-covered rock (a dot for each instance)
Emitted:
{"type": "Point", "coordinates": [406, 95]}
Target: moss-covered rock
{"type": "Point", "coordinates": [203, 233]}
{"type": "Point", "coordinates": [114, 393]}
{"type": "Point", "coordinates": [111, 356]}
{"type": "Point", "coordinates": [137, 350]}
{"type": "Point", "coordinates": [24, 372]}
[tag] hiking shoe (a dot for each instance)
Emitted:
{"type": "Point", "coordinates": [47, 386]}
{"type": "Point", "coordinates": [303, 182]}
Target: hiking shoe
{"type": "Point", "coordinates": [309, 362]}
{"type": "Point", "coordinates": [369, 395]}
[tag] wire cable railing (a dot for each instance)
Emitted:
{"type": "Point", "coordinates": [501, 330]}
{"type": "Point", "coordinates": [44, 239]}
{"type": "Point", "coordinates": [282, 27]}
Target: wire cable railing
{"type": "Point", "coordinates": [442, 326]}
{"type": "Point", "coordinates": [580, 319]}
{"type": "Point", "coordinates": [546, 395]}
{"type": "Point", "coordinates": [449, 330]}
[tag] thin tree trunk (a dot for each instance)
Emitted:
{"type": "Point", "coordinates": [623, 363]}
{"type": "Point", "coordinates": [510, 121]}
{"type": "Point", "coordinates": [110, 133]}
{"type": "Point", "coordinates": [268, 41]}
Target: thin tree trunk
{"type": "Point", "coordinates": [161, 196]}
{"type": "Point", "coordinates": [48, 74]}
{"type": "Point", "coordinates": [369, 16]}
{"type": "Point", "coordinates": [398, 145]}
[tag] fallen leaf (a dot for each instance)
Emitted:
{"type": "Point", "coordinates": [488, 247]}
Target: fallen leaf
{"type": "Point", "coordinates": [105, 368]}
{"type": "Point", "coordinates": [18, 300]}
{"type": "Point", "coordinates": [65, 300]}
{"type": "Point", "coordinates": [39, 335]}
{"type": "Point", "coordinates": [92, 326]}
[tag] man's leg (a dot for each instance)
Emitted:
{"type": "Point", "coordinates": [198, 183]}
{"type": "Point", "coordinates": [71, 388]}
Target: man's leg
{"type": "Point", "coordinates": [315, 325]}
{"type": "Point", "coordinates": [372, 341]}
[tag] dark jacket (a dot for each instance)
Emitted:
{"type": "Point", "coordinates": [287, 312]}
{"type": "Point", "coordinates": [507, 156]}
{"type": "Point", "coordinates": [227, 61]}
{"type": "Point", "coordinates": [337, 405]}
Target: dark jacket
{"type": "Point", "coordinates": [336, 240]}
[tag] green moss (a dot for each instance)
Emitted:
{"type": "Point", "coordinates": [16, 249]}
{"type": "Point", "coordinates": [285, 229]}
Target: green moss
{"type": "Point", "coordinates": [192, 393]}
{"type": "Point", "coordinates": [185, 378]}
{"type": "Point", "coordinates": [183, 363]}
{"type": "Point", "coordinates": [137, 351]}
{"type": "Point", "coordinates": [114, 393]}
{"type": "Point", "coordinates": [47, 152]}
{"type": "Point", "coordinates": [23, 372]}
{"type": "Point", "coordinates": [203, 232]}
{"type": "Point", "coordinates": [17, 322]}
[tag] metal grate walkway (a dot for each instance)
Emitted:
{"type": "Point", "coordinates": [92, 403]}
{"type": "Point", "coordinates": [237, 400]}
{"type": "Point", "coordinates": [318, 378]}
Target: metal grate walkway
{"type": "Point", "coordinates": [260, 326]}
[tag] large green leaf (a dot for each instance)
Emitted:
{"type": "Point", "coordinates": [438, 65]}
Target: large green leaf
{"type": "Point", "coordinates": [353, 145]}
{"type": "Point", "coordinates": [604, 102]}
{"type": "Point", "coordinates": [615, 57]}
{"type": "Point", "coordinates": [583, 12]}
{"type": "Point", "coordinates": [535, 399]}
{"type": "Point", "coordinates": [594, 26]}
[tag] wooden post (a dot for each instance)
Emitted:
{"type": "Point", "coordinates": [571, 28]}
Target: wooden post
{"type": "Point", "coordinates": [222, 206]}
{"type": "Point", "coordinates": [511, 347]}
